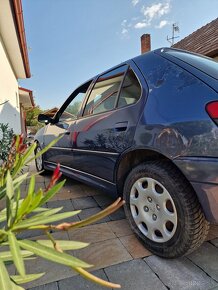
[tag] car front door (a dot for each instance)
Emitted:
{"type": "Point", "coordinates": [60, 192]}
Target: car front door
{"type": "Point", "coordinates": [108, 123]}
{"type": "Point", "coordinates": [64, 123]}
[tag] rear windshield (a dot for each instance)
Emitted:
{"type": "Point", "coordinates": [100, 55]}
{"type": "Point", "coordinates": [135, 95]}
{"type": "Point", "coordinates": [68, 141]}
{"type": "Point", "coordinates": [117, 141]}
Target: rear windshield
{"type": "Point", "coordinates": [205, 64]}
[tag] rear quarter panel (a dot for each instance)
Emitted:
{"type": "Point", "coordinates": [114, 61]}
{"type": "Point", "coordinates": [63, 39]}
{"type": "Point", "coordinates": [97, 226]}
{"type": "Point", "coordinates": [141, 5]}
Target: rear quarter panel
{"type": "Point", "coordinates": [174, 121]}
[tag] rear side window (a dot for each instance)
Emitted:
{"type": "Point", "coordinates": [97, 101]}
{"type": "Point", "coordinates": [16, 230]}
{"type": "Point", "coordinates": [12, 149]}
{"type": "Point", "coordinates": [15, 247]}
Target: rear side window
{"type": "Point", "coordinates": [104, 94]}
{"type": "Point", "coordinates": [130, 91]}
{"type": "Point", "coordinates": [205, 64]}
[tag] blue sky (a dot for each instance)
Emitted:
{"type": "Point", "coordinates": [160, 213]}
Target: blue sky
{"type": "Point", "coordinates": [70, 41]}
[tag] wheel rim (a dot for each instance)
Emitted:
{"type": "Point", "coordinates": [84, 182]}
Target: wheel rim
{"type": "Point", "coordinates": [39, 160]}
{"type": "Point", "coordinates": [153, 210]}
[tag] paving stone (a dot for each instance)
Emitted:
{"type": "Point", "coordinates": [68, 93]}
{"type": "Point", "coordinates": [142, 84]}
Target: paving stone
{"type": "Point", "coordinates": [63, 235]}
{"type": "Point", "coordinates": [91, 191]}
{"type": "Point", "coordinates": [215, 242]}
{"type": "Point", "coordinates": [180, 273]}
{"type": "Point", "coordinates": [30, 233]}
{"type": "Point", "coordinates": [213, 233]}
{"type": "Point", "coordinates": [134, 275]}
{"type": "Point", "coordinates": [134, 247]}
{"type": "Point", "coordinates": [84, 202]}
{"type": "Point", "coordinates": [120, 228]}
{"type": "Point", "coordinates": [80, 283]}
{"type": "Point", "coordinates": [92, 233]}
{"type": "Point", "coordinates": [54, 272]}
{"type": "Point", "coordinates": [91, 211]}
{"type": "Point", "coordinates": [117, 215]}
{"type": "Point", "coordinates": [104, 200]}
{"type": "Point", "coordinates": [103, 254]}
{"type": "Point", "coordinates": [50, 286]}
{"type": "Point", "coordinates": [206, 257]}
{"type": "Point", "coordinates": [66, 204]}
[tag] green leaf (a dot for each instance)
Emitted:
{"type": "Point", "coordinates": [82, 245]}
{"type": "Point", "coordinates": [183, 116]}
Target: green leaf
{"type": "Point", "coordinates": [28, 223]}
{"type": "Point", "coordinates": [35, 200]}
{"type": "Point", "coordinates": [46, 213]}
{"type": "Point", "coordinates": [15, 286]}
{"type": "Point", "coordinates": [16, 253]}
{"type": "Point", "coordinates": [29, 151]}
{"type": "Point", "coordinates": [27, 278]}
{"type": "Point", "coordinates": [24, 206]}
{"type": "Point", "coordinates": [16, 182]}
{"type": "Point", "coordinates": [18, 166]}
{"type": "Point", "coordinates": [52, 255]}
{"type": "Point", "coordinates": [45, 149]}
{"type": "Point", "coordinates": [5, 282]}
{"type": "Point", "coordinates": [31, 185]}
{"type": "Point", "coordinates": [7, 255]}
{"type": "Point", "coordinates": [9, 186]}
{"type": "Point", "coordinates": [64, 245]}
{"type": "Point", "coordinates": [50, 193]}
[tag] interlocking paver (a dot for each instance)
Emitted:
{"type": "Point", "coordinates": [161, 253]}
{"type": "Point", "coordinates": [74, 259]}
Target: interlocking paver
{"type": "Point", "coordinates": [92, 234]}
{"type": "Point", "coordinates": [103, 254]}
{"type": "Point", "coordinates": [50, 286]}
{"type": "Point", "coordinates": [213, 232]}
{"type": "Point", "coordinates": [206, 257]}
{"type": "Point", "coordinates": [54, 271]}
{"type": "Point", "coordinates": [180, 274]}
{"type": "Point", "coordinates": [91, 211]}
{"type": "Point", "coordinates": [215, 242]}
{"type": "Point", "coordinates": [134, 247]}
{"type": "Point", "coordinates": [115, 247]}
{"type": "Point", "coordinates": [120, 228]}
{"type": "Point", "coordinates": [104, 200]}
{"type": "Point", "coordinates": [66, 204]}
{"type": "Point", "coordinates": [117, 215]}
{"type": "Point", "coordinates": [85, 202]}
{"type": "Point", "coordinates": [79, 283]}
{"type": "Point", "coordinates": [134, 275]}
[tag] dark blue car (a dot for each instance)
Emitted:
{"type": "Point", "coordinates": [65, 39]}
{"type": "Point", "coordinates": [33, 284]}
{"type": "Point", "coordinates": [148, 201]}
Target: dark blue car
{"type": "Point", "coordinates": [146, 130]}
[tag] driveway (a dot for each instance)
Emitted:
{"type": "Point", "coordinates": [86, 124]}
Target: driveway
{"type": "Point", "coordinates": [117, 255]}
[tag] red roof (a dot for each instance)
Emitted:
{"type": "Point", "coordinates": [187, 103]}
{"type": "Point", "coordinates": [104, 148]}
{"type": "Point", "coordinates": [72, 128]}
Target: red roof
{"type": "Point", "coordinates": [203, 41]}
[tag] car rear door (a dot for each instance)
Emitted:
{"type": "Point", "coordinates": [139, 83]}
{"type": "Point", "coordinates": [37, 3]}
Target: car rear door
{"type": "Point", "coordinates": [107, 126]}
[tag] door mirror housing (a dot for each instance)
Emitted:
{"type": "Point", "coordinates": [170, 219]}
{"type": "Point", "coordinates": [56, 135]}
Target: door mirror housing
{"type": "Point", "coordinates": [42, 118]}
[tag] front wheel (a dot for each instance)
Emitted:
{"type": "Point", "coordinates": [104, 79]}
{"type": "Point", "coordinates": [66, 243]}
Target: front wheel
{"type": "Point", "coordinates": [163, 210]}
{"type": "Point", "coordinates": [39, 161]}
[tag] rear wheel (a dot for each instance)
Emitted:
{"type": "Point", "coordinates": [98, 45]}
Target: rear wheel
{"type": "Point", "coordinates": [163, 210]}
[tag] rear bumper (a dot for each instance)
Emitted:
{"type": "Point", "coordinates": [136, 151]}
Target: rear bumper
{"type": "Point", "coordinates": [203, 176]}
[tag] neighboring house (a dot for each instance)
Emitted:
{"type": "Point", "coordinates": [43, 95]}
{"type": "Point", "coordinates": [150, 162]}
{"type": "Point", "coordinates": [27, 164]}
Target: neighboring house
{"type": "Point", "coordinates": [14, 65]}
{"type": "Point", "coordinates": [203, 41]}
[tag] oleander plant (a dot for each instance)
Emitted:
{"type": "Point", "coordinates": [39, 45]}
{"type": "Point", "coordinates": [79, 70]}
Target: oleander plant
{"type": "Point", "coordinates": [26, 212]}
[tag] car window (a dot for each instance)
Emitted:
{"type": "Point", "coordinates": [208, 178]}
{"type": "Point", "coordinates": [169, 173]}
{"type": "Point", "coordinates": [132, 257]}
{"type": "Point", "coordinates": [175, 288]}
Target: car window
{"type": "Point", "coordinates": [130, 91]}
{"type": "Point", "coordinates": [205, 64]}
{"type": "Point", "coordinates": [105, 91]}
{"type": "Point", "coordinates": [73, 109]}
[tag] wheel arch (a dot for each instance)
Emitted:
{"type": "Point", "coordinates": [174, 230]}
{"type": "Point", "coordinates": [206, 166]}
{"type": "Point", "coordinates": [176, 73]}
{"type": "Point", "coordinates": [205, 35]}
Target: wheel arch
{"type": "Point", "coordinates": [133, 158]}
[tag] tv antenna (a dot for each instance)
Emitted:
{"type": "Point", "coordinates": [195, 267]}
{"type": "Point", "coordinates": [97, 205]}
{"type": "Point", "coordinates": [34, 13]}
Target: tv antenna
{"type": "Point", "coordinates": [175, 28]}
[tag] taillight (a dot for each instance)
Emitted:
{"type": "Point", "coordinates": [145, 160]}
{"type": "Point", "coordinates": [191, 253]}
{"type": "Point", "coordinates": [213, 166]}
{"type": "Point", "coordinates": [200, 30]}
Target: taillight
{"type": "Point", "coordinates": [212, 110]}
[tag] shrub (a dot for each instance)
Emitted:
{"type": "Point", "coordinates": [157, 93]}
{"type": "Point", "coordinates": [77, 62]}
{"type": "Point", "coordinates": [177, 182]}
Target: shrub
{"type": "Point", "coordinates": [6, 135]}
{"type": "Point", "coordinates": [28, 213]}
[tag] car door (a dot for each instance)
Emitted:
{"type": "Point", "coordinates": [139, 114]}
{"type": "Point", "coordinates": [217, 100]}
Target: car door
{"type": "Point", "coordinates": [107, 126]}
{"type": "Point", "coordinates": [63, 125]}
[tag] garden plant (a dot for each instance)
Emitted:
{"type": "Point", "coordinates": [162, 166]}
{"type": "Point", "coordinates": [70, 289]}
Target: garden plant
{"type": "Point", "coordinates": [26, 212]}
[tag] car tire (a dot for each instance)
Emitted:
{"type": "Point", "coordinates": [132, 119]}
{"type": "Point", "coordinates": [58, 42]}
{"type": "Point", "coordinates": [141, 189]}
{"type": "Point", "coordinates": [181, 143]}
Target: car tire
{"type": "Point", "coordinates": [163, 210]}
{"type": "Point", "coordinates": [39, 162]}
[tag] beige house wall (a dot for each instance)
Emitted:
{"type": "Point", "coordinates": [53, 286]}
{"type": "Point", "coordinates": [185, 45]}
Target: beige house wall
{"type": "Point", "coordinates": [9, 96]}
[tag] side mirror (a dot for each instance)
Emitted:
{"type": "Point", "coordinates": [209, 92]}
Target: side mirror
{"type": "Point", "coordinates": [45, 119]}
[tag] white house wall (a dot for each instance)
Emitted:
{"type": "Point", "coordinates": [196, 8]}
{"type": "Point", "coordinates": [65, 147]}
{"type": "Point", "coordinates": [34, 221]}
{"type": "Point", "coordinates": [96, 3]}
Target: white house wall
{"type": "Point", "coordinates": [10, 110]}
